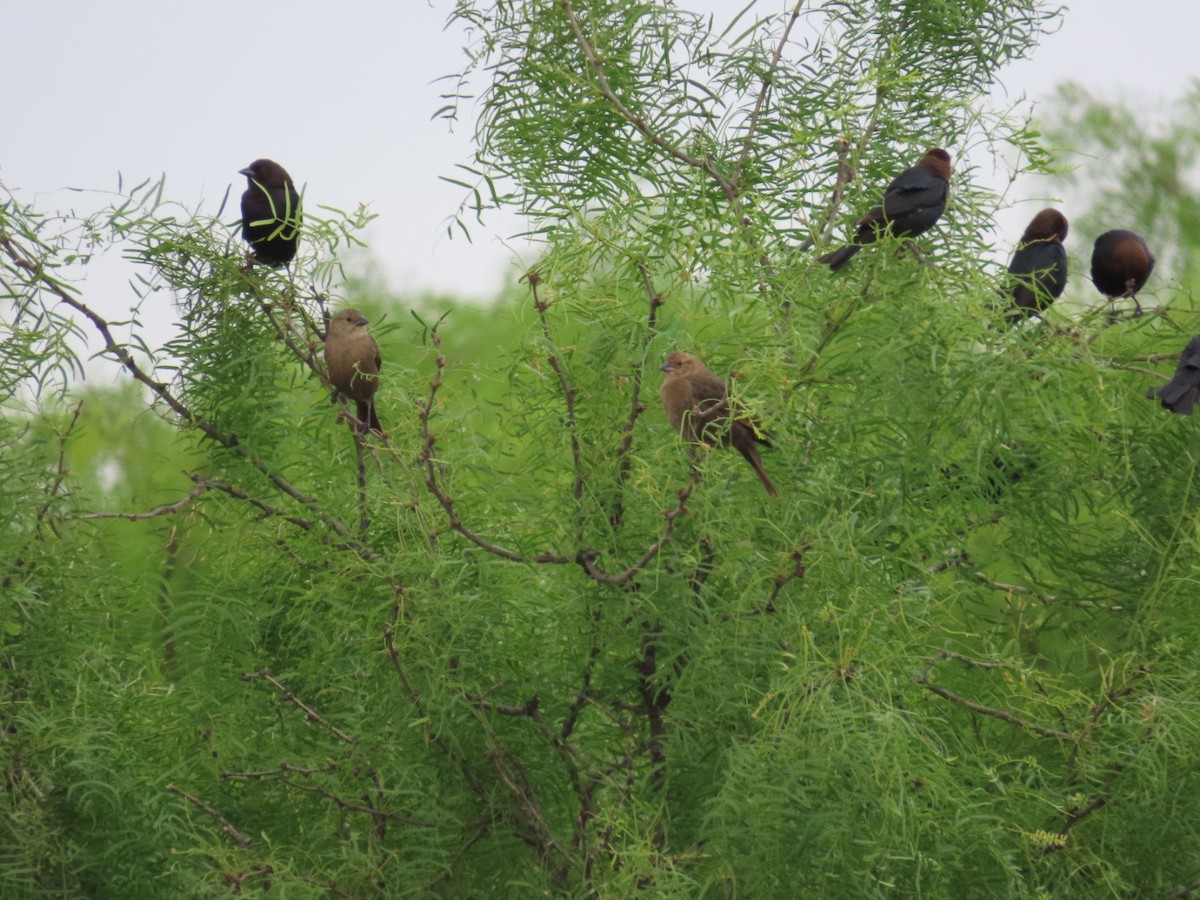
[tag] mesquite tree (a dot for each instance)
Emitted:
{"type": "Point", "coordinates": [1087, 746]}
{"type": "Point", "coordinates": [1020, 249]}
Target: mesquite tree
{"type": "Point", "coordinates": [530, 643]}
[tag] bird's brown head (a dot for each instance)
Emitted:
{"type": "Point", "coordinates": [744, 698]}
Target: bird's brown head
{"type": "Point", "coordinates": [1048, 225]}
{"type": "Point", "coordinates": [680, 363]}
{"type": "Point", "coordinates": [346, 321]}
{"type": "Point", "coordinates": [937, 161]}
{"type": "Point", "coordinates": [266, 172]}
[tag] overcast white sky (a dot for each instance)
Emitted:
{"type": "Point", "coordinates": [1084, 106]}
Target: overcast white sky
{"type": "Point", "coordinates": [342, 94]}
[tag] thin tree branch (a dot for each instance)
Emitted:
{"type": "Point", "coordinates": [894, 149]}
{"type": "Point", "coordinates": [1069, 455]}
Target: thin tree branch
{"type": "Point", "coordinates": [309, 713]}
{"type": "Point", "coordinates": [760, 101]}
{"type": "Point", "coordinates": [429, 461]}
{"type": "Point", "coordinates": [569, 394]}
{"type": "Point", "coordinates": [157, 511]}
{"type": "Point", "coordinates": [597, 65]}
{"type": "Point", "coordinates": [1001, 714]}
{"type": "Point", "coordinates": [159, 389]}
{"type": "Point", "coordinates": [240, 839]}
{"type": "Point", "coordinates": [587, 558]}
{"type": "Point", "coordinates": [636, 407]}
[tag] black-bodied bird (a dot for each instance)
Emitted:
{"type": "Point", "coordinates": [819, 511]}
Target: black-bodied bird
{"type": "Point", "coordinates": [352, 356]}
{"type": "Point", "coordinates": [697, 404]}
{"type": "Point", "coordinates": [1121, 265]}
{"type": "Point", "coordinates": [1179, 394]}
{"type": "Point", "coordinates": [270, 212]}
{"type": "Point", "coordinates": [1039, 267]}
{"type": "Point", "coordinates": [911, 205]}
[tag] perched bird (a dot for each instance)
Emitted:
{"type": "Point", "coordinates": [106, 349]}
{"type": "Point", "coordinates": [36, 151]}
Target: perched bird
{"type": "Point", "coordinates": [1121, 264]}
{"type": "Point", "coordinates": [354, 361]}
{"type": "Point", "coordinates": [1179, 394]}
{"type": "Point", "coordinates": [698, 406]}
{"type": "Point", "coordinates": [270, 212]}
{"type": "Point", "coordinates": [1039, 267]}
{"type": "Point", "coordinates": [911, 205]}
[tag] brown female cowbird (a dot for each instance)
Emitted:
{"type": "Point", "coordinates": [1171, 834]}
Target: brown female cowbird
{"type": "Point", "coordinates": [1039, 267]}
{"type": "Point", "coordinates": [1179, 394]}
{"type": "Point", "coordinates": [698, 407]}
{"type": "Point", "coordinates": [270, 212]}
{"type": "Point", "coordinates": [911, 205]}
{"type": "Point", "coordinates": [1121, 264]}
{"type": "Point", "coordinates": [353, 360]}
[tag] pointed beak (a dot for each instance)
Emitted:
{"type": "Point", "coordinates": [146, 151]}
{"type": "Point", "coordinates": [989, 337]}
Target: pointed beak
{"type": "Point", "coordinates": [667, 367]}
{"type": "Point", "coordinates": [246, 171]}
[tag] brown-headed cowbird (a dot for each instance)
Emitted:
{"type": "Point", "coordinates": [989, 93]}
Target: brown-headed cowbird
{"type": "Point", "coordinates": [698, 406]}
{"type": "Point", "coordinates": [1039, 267]}
{"type": "Point", "coordinates": [1179, 394]}
{"type": "Point", "coordinates": [1121, 264]}
{"type": "Point", "coordinates": [354, 361]}
{"type": "Point", "coordinates": [270, 212]}
{"type": "Point", "coordinates": [911, 205]}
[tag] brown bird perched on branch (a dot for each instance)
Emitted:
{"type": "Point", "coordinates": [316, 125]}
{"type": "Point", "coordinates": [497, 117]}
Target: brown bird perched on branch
{"type": "Point", "coordinates": [354, 361]}
{"type": "Point", "coordinates": [270, 212]}
{"type": "Point", "coordinates": [1039, 267]}
{"type": "Point", "coordinates": [1121, 264]}
{"type": "Point", "coordinates": [697, 404]}
{"type": "Point", "coordinates": [1179, 394]}
{"type": "Point", "coordinates": [912, 203]}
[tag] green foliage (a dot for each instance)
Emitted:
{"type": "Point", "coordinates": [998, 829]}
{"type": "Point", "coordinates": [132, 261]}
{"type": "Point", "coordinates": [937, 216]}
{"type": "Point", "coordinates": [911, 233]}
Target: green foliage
{"type": "Point", "coordinates": [528, 643]}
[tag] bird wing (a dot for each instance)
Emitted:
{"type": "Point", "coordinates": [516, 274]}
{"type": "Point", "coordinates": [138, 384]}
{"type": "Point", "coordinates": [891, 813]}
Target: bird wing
{"type": "Point", "coordinates": [916, 188]}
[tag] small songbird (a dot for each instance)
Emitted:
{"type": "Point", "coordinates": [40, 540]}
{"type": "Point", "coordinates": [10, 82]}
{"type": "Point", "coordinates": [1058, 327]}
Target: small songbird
{"type": "Point", "coordinates": [352, 356]}
{"type": "Point", "coordinates": [911, 205]}
{"type": "Point", "coordinates": [1039, 267]}
{"type": "Point", "coordinates": [270, 212]}
{"type": "Point", "coordinates": [1121, 264]}
{"type": "Point", "coordinates": [697, 404]}
{"type": "Point", "coordinates": [1179, 394]}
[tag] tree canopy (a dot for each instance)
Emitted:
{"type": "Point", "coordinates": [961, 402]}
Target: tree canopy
{"type": "Point", "coordinates": [529, 642]}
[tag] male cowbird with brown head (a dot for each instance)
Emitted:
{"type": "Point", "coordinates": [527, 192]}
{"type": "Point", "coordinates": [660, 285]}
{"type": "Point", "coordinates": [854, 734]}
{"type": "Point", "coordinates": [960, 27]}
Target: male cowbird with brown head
{"type": "Point", "coordinates": [354, 361]}
{"type": "Point", "coordinates": [697, 404]}
{"type": "Point", "coordinates": [270, 212]}
{"type": "Point", "coordinates": [1121, 264]}
{"type": "Point", "coordinates": [1179, 394]}
{"type": "Point", "coordinates": [912, 203]}
{"type": "Point", "coordinates": [1039, 267]}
